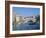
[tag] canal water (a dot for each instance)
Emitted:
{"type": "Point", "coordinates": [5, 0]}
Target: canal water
{"type": "Point", "coordinates": [26, 26]}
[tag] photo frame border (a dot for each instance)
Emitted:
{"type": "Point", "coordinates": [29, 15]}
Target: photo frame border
{"type": "Point", "coordinates": [7, 18]}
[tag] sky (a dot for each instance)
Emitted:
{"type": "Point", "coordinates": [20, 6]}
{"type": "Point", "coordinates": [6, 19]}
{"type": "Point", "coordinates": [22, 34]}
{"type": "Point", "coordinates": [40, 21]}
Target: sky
{"type": "Point", "coordinates": [26, 11]}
